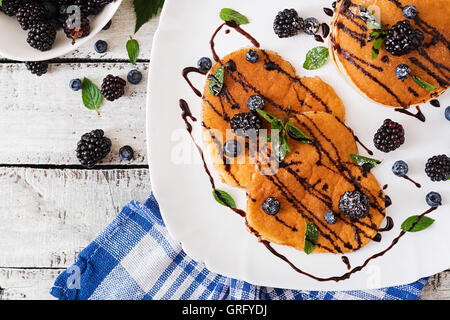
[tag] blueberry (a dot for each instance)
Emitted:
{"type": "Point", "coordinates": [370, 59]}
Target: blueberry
{"type": "Point", "coordinates": [134, 76]}
{"type": "Point", "coordinates": [252, 56]}
{"type": "Point", "coordinates": [410, 11]}
{"type": "Point", "coordinates": [75, 84]}
{"type": "Point", "coordinates": [447, 113]}
{"type": "Point", "coordinates": [101, 46]}
{"type": "Point", "coordinates": [204, 65]}
{"type": "Point", "coordinates": [232, 148]}
{"type": "Point", "coordinates": [312, 26]}
{"type": "Point", "coordinates": [400, 168]}
{"type": "Point", "coordinates": [402, 71]}
{"type": "Point", "coordinates": [255, 102]}
{"type": "Point", "coordinates": [108, 25]}
{"type": "Point", "coordinates": [330, 217]}
{"type": "Point", "coordinates": [434, 199]}
{"type": "Point", "coordinates": [126, 153]}
{"type": "Point", "coordinates": [271, 206]}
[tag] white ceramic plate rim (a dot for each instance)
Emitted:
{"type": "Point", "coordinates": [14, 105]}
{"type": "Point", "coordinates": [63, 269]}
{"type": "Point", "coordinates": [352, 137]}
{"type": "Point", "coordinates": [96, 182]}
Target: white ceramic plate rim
{"type": "Point", "coordinates": [100, 21]}
{"type": "Point", "coordinates": [427, 264]}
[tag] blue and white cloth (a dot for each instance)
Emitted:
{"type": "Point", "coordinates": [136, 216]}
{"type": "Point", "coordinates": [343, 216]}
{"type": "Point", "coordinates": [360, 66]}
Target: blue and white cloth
{"type": "Point", "coordinates": [135, 259]}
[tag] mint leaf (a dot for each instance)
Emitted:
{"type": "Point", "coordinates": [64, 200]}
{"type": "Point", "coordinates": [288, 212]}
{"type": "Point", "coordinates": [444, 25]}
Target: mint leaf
{"type": "Point", "coordinates": [227, 14]}
{"type": "Point", "coordinates": [315, 58]}
{"type": "Point", "coordinates": [133, 50]}
{"type": "Point", "coordinates": [423, 83]}
{"type": "Point", "coordinates": [363, 160]}
{"type": "Point", "coordinates": [216, 81]}
{"type": "Point", "coordinates": [91, 95]}
{"type": "Point", "coordinates": [311, 236]}
{"type": "Point", "coordinates": [376, 47]}
{"type": "Point", "coordinates": [145, 10]}
{"type": "Point", "coordinates": [224, 198]}
{"type": "Point", "coordinates": [416, 223]}
{"type": "Point", "coordinates": [296, 134]}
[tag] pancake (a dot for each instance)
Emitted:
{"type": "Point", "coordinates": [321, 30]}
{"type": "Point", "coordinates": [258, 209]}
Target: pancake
{"type": "Point", "coordinates": [310, 182]}
{"type": "Point", "coordinates": [375, 78]}
{"type": "Point", "coordinates": [280, 89]}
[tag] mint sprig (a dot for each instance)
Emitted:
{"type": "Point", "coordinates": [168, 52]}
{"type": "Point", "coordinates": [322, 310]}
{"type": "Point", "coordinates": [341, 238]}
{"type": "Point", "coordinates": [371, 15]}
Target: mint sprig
{"type": "Point", "coordinates": [224, 198]}
{"type": "Point", "coordinates": [361, 160]}
{"type": "Point", "coordinates": [316, 58]}
{"type": "Point", "coordinates": [423, 83]}
{"type": "Point", "coordinates": [311, 236]}
{"type": "Point", "coordinates": [416, 223]}
{"type": "Point", "coordinates": [379, 31]}
{"type": "Point", "coordinates": [145, 10]}
{"type": "Point", "coordinates": [132, 50]}
{"type": "Point", "coordinates": [91, 95]}
{"type": "Point", "coordinates": [227, 14]}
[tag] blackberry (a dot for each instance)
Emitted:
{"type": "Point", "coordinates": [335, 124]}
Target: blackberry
{"type": "Point", "coordinates": [91, 7]}
{"type": "Point", "coordinates": [433, 199]}
{"type": "Point", "coordinates": [255, 102]}
{"type": "Point", "coordinates": [354, 204]}
{"type": "Point", "coordinates": [41, 36]}
{"type": "Point", "coordinates": [126, 153]}
{"type": "Point", "coordinates": [401, 39]}
{"type": "Point", "coordinates": [402, 71]}
{"type": "Point", "coordinates": [330, 217]}
{"type": "Point", "coordinates": [37, 67]}
{"type": "Point", "coordinates": [29, 13]}
{"type": "Point", "coordinates": [10, 7]}
{"type": "Point", "coordinates": [390, 136]}
{"type": "Point", "coordinates": [438, 168]}
{"type": "Point", "coordinates": [287, 23]}
{"type": "Point", "coordinates": [232, 148]}
{"type": "Point", "coordinates": [92, 148]}
{"type": "Point", "coordinates": [75, 32]}
{"type": "Point", "coordinates": [244, 124]}
{"type": "Point", "coordinates": [271, 206]}
{"type": "Point", "coordinates": [113, 87]}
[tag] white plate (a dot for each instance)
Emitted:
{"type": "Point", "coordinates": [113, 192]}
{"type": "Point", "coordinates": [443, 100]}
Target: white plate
{"type": "Point", "coordinates": [14, 40]}
{"type": "Point", "coordinates": [217, 236]}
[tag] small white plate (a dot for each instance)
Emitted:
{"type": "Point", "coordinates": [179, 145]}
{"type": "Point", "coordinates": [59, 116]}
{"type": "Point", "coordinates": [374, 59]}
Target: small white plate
{"type": "Point", "coordinates": [14, 44]}
{"type": "Point", "coordinates": [217, 236]}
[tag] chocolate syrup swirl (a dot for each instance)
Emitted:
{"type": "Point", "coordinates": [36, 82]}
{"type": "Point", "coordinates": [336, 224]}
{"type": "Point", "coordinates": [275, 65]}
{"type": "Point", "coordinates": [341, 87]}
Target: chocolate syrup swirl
{"type": "Point", "coordinates": [186, 72]}
{"type": "Point", "coordinates": [419, 115]}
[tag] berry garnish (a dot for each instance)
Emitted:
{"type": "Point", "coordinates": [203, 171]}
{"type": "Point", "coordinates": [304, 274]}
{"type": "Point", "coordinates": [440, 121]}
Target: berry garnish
{"type": "Point", "coordinates": [75, 84]}
{"type": "Point", "coordinates": [252, 56]}
{"type": "Point", "coordinates": [204, 65]}
{"type": "Point", "coordinates": [41, 36]}
{"type": "Point", "coordinates": [401, 39]}
{"type": "Point", "coordinates": [390, 136]}
{"type": "Point", "coordinates": [255, 102]}
{"type": "Point", "coordinates": [92, 148]}
{"type": "Point", "coordinates": [438, 168]}
{"type": "Point", "coordinates": [37, 67]}
{"type": "Point", "coordinates": [354, 204]}
{"type": "Point", "coordinates": [113, 87]}
{"type": "Point", "coordinates": [434, 199]}
{"type": "Point", "coordinates": [232, 148]}
{"type": "Point", "coordinates": [410, 11]}
{"type": "Point", "coordinates": [311, 26]}
{"type": "Point", "coordinates": [134, 76]}
{"type": "Point", "coordinates": [400, 168]}
{"type": "Point", "coordinates": [101, 46]}
{"type": "Point", "coordinates": [126, 153]}
{"type": "Point", "coordinates": [287, 23]}
{"type": "Point", "coordinates": [447, 113]}
{"type": "Point", "coordinates": [330, 217]}
{"type": "Point", "coordinates": [245, 124]}
{"type": "Point", "coordinates": [402, 71]}
{"type": "Point", "coordinates": [271, 206]}
{"type": "Point", "coordinates": [29, 13]}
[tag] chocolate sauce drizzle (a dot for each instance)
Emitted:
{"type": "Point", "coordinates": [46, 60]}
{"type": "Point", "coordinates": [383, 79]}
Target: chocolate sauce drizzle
{"type": "Point", "coordinates": [346, 261]}
{"type": "Point", "coordinates": [419, 115]}
{"type": "Point", "coordinates": [186, 71]}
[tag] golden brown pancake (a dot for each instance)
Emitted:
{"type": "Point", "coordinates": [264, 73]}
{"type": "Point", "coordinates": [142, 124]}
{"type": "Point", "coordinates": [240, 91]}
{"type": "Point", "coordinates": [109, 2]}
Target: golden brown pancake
{"type": "Point", "coordinates": [311, 181]}
{"type": "Point", "coordinates": [280, 88]}
{"type": "Point", "coordinates": [375, 78]}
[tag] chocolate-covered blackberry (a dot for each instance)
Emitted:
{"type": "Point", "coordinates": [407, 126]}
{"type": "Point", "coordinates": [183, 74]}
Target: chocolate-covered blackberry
{"type": "Point", "coordinates": [113, 87]}
{"type": "Point", "coordinates": [354, 204]}
{"type": "Point", "coordinates": [37, 67]}
{"type": "Point", "coordinates": [402, 38]}
{"type": "Point", "coordinates": [30, 12]}
{"type": "Point", "coordinates": [389, 136]}
{"type": "Point", "coordinates": [287, 23]}
{"type": "Point", "coordinates": [92, 148]}
{"type": "Point", "coordinates": [41, 36]}
{"type": "Point", "coordinates": [438, 168]}
{"type": "Point", "coordinates": [245, 124]}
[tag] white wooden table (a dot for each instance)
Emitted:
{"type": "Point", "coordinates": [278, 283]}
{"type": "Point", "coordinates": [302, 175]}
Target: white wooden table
{"type": "Point", "coordinates": [50, 207]}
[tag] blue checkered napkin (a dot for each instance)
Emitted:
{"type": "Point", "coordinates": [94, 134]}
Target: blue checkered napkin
{"type": "Point", "coordinates": [134, 258]}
